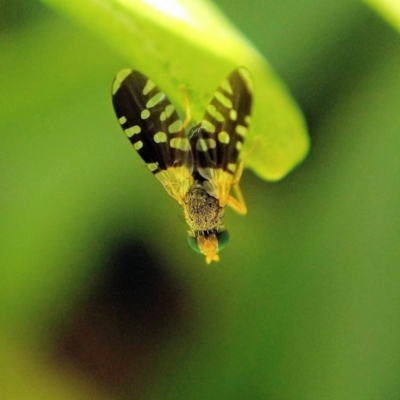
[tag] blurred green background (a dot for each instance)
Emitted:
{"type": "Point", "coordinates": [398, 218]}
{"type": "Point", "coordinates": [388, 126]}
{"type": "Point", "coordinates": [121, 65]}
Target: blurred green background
{"type": "Point", "coordinates": [100, 296]}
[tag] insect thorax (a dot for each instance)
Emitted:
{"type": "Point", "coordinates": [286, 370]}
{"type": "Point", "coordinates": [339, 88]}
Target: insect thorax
{"type": "Point", "coordinates": [202, 211]}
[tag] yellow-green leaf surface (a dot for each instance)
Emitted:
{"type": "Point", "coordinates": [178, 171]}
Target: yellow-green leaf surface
{"type": "Point", "coordinates": [190, 42]}
{"type": "Point", "coordinates": [389, 9]}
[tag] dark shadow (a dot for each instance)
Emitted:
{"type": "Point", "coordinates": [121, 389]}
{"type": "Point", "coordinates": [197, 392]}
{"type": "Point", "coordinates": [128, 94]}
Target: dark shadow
{"type": "Point", "coordinates": [115, 337]}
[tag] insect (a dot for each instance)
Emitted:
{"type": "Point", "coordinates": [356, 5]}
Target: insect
{"type": "Point", "coordinates": [198, 164]}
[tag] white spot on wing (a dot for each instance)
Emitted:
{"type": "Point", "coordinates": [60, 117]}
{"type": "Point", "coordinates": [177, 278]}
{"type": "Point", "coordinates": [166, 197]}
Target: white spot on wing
{"type": "Point", "coordinates": [208, 126]}
{"type": "Point", "coordinates": [227, 86]}
{"type": "Point", "coordinates": [176, 126]}
{"type": "Point", "coordinates": [219, 117]}
{"type": "Point", "coordinates": [167, 112]}
{"type": "Point", "coordinates": [152, 166]}
{"type": "Point", "coordinates": [133, 130]}
{"type": "Point", "coordinates": [212, 110]}
{"type": "Point", "coordinates": [160, 137]}
{"type": "Point", "coordinates": [223, 137]}
{"type": "Point", "coordinates": [148, 87]}
{"type": "Point", "coordinates": [157, 98]}
{"type": "Point", "coordinates": [225, 101]}
{"type": "Point", "coordinates": [138, 145]}
{"type": "Point", "coordinates": [180, 143]}
{"type": "Point", "coordinates": [211, 143]}
{"type": "Point", "coordinates": [121, 76]}
{"type": "Point", "coordinates": [145, 114]}
{"type": "Point", "coordinates": [201, 145]}
{"type": "Point", "coordinates": [241, 130]}
{"type": "Point", "coordinates": [247, 79]}
{"type": "Point", "coordinates": [205, 144]}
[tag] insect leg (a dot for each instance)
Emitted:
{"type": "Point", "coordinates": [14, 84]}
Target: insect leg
{"type": "Point", "coordinates": [237, 203]}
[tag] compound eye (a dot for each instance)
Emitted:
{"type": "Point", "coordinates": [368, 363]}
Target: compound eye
{"type": "Point", "coordinates": [223, 240]}
{"type": "Point", "coordinates": [192, 242]}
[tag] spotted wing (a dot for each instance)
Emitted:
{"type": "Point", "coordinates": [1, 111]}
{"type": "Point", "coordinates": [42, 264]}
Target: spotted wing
{"type": "Point", "coordinates": [152, 125]}
{"type": "Point", "coordinates": [218, 139]}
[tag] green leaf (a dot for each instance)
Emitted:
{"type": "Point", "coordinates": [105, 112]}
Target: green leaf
{"type": "Point", "coordinates": [389, 9]}
{"type": "Point", "coordinates": [191, 42]}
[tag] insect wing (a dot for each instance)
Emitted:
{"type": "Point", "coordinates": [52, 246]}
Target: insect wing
{"type": "Point", "coordinates": [218, 139]}
{"type": "Point", "coordinates": [152, 125]}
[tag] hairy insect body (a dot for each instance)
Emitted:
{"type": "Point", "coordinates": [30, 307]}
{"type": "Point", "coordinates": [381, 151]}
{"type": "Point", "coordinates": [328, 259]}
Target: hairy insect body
{"type": "Point", "coordinates": [202, 211]}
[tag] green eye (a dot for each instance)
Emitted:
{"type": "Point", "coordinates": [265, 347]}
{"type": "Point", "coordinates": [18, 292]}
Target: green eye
{"type": "Point", "coordinates": [192, 242]}
{"type": "Point", "coordinates": [223, 240]}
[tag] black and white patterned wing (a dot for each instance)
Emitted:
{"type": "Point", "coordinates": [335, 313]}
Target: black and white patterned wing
{"type": "Point", "coordinates": [152, 125]}
{"type": "Point", "coordinates": [218, 139]}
